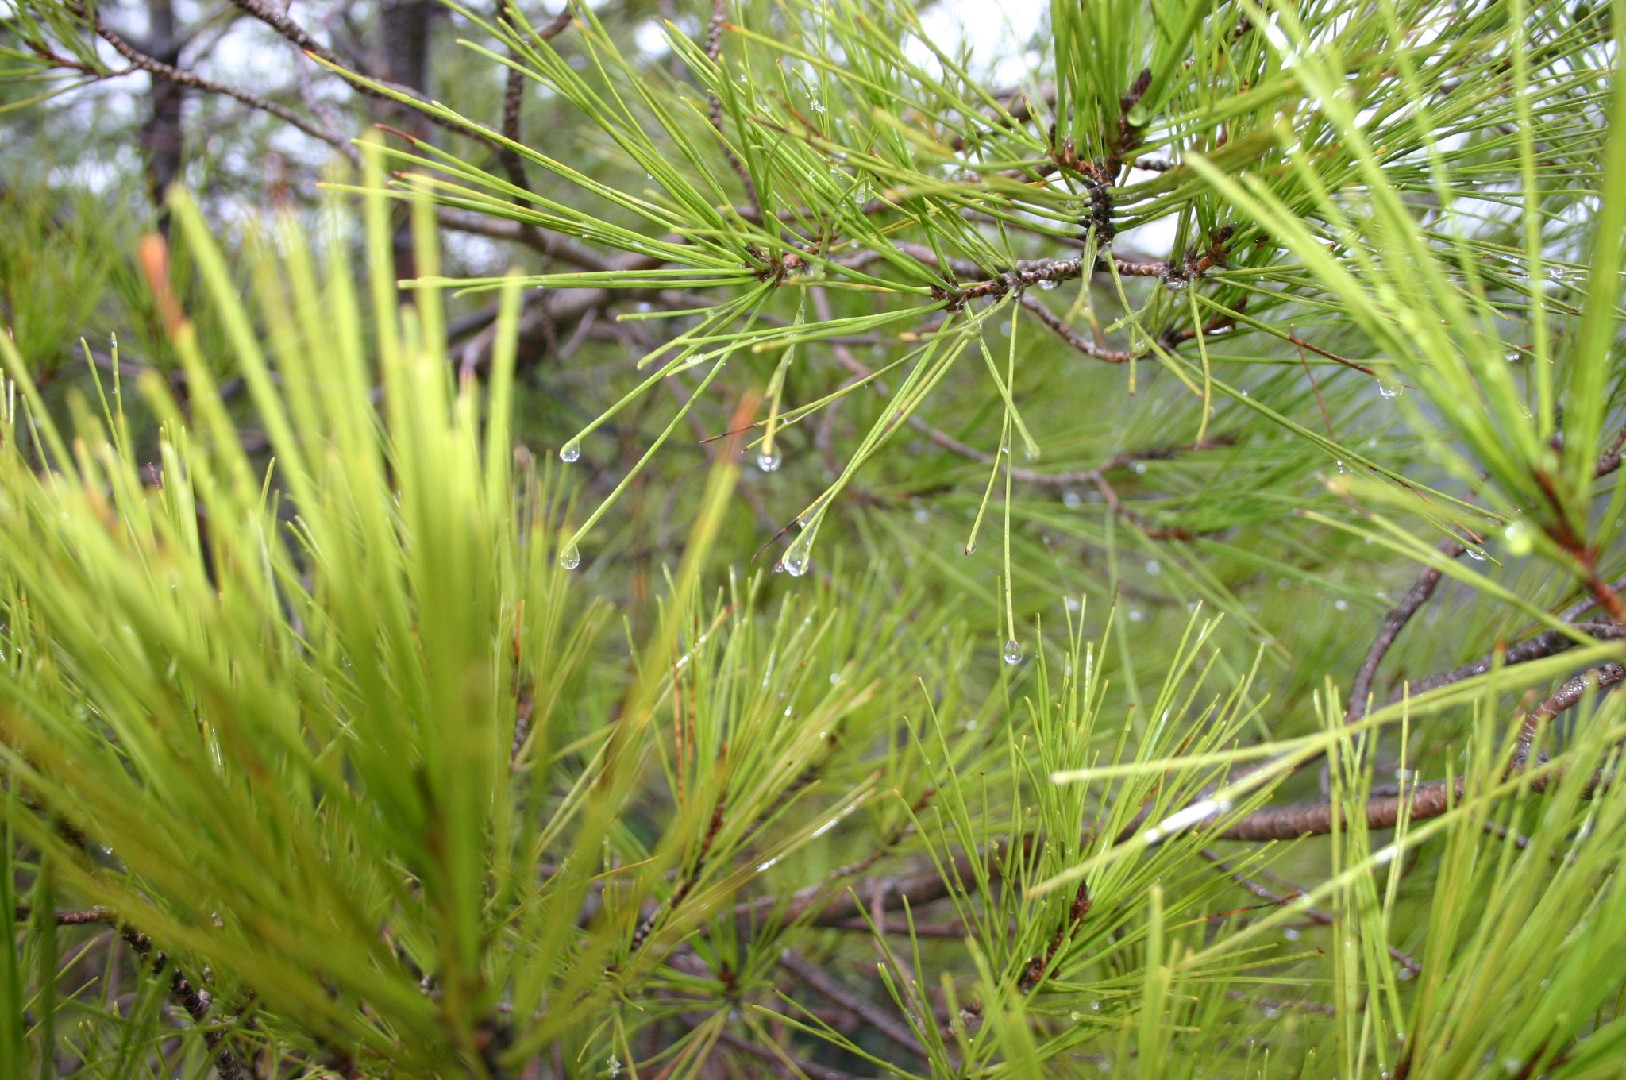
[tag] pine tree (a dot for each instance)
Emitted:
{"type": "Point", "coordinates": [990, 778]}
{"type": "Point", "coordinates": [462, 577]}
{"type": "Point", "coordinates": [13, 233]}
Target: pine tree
{"type": "Point", "coordinates": [1107, 566]}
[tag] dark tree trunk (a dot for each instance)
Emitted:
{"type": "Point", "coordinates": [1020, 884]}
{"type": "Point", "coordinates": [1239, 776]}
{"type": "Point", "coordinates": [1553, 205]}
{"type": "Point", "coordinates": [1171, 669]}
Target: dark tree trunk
{"type": "Point", "coordinates": [403, 40]}
{"type": "Point", "coordinates": [163, 139]}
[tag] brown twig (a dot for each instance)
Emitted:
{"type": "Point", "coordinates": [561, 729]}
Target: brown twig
{"type": "Point", "coordinates": [1041, 965]}
{"type": "Point", "coordinates": [193, 81]}
{"type": "Point", "coordinates": [1427, 800]}
{"type": "Point", "coordinates": [1315, 915]}
{"type": "Point", "coordinates": [1057, 325]}
{"type": "Point", "coordinates": [1547, 643]}
{"type": "Point", "coordinates": [685, 883]}
{"type": "Point", "coordinates": [197, 1004]}
{"type": "Point", "coordinates": [714, 52]}
{"type": "Point", "coordinates": [1393, 623]}
{"type": "Point", "coordinates": [513, 101]}
{"type": "Point", "coordinates": [789, 1065]}
{"type": "Point", "coordinates": [822, 982]}
{"type": "Point", "coordinates": [1565, 697]}
{"type": "Point", "coordinates": [379, 89]}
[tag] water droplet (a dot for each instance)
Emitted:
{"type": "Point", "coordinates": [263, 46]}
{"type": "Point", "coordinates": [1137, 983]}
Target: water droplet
{"type": "Point", "coordinates": [1073, 604]}
{"type": "Point", "coordinates": [1138, 468]}
{"type": "Point", "coordinates": [1520, 538]}
{"type": "Point", "coordinates": [1341, 605]}
{"type": "Point", "coordinates": [971, 548]}
{"type": "Point", "coordinates": [1136, 615]}
{"type": "Point", "coordinates": [1013, 652]}
{"type": "Point", "coordinates": [922, 515]}
{"type": "Point", "coordinates": [1153, 568]}
{"type": "Point", "coordinates": [795, 560]}
{"type": "Point", "coordinates": [1047, 284]}
{"type": "Point", "coordinates": [1070, 500]}
{"type": "Point", "coordinates": [1514, 356]}
{"type": "Point", "coordinates": [1476, 554]}
{"type": "Point", "coordinates": [1390, 388]}
{"type": "Point", "coordinates": [570, 557]}
{"type": "Point", "coordinates": [570, 451]}
{"type": "Point", "coordinates": [768, 461]}
{"type": "Point", "coordinates": [1176, 283]}
{"type": "Point", "coordinates": [1291, 933]}
{"type": "Point", "coordinates": [1342, 468]}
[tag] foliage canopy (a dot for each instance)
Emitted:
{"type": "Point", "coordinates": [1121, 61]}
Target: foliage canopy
{"type": "Point", "coordinates": [1192, 472]}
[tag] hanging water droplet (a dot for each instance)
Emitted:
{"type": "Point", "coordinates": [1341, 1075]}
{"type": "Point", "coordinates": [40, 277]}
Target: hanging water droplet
{"type": "Point", "coordinates": [1047, 284]}
{"type": "Point", "coordinates": [1390, 388]}
{"type": "Point", "coordinates": [570, 451]}
{"type": "Point", "coordinates": [1013, 652]}
{"type": "Point", "coordinates": [1476, 554]}
{"type": "Point", "coordinates": [1176, 283]}
{"type": "Point", "coordinates": [1136, 615]}
{"type": "Point", "coordinates": [795, 560]}
{"type": "Point", "coordinates": [971, 548]}
{"type": "Point", "coordinates": [1153, 568]}
{"type": "Point", "coordinates": [1520, 538]}
{"type": "Point", "coordinates": [768, 461]}
{"type": "Point", "coordinates": [1341, 605]}
{"type": "Point", "coordinates": [570, 557]}
{"type": "Point", "coordinates": [1070, 500]}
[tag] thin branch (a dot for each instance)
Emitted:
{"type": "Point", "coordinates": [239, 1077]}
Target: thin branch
{"type": "Point", "coordinates": [1057, 325]}
{"type": "Point", "coordinates": [822, 982]}
{"type": "Point", "coordinates": [1428, 800]}
{"type": "Point", "coordinates": [775, 1056]}
{"type": "Point", "coordinates": [1315, 915]}
{"type": "Point", "coordinates": [1041, 965]}
{"type": "Point", "coordinates": [714, 52]}
{"type": "Point", "coordinates": [1565, 697]}
{"type": "Point", "coordinates": [197, 1004]}
{"type": "Point", "coordinates": [549, 244]}
{"type": "Point", "coordinates": [1393, 624]}
{"type": "Point", "coordinates": [1547, 643]}
{"type": "Point", "coordinates": [380, 89]}
{"type": "Point", "coordinates": [182, 77]}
